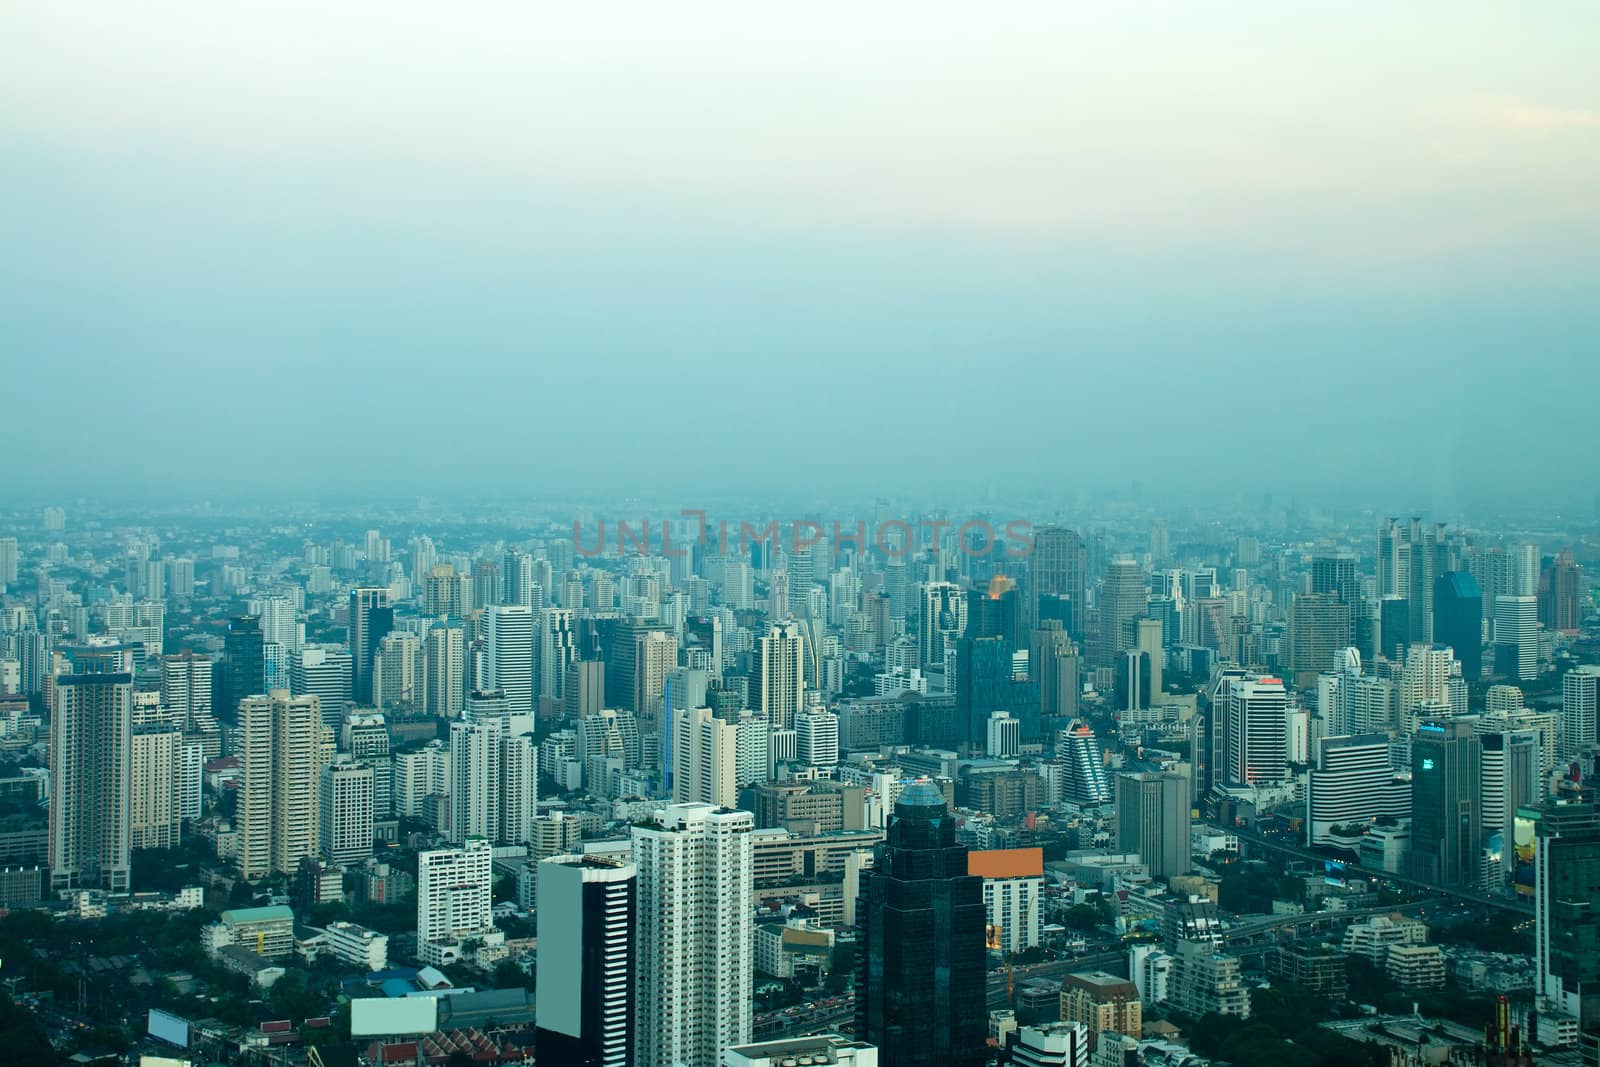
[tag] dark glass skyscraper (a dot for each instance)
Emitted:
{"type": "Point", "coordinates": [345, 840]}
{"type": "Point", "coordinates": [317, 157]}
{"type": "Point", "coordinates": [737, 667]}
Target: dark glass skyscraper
{"type": "Point", "coordinates": [244, 671]}
{"type": "Point", "coordinates": [587, 1014]}
{"type": "Point", "coordinates": [1446, 789]}
{"type": "Point", "coordinates": [1458, 620]}
{"type": "Point", "coordinates": [920, 988]}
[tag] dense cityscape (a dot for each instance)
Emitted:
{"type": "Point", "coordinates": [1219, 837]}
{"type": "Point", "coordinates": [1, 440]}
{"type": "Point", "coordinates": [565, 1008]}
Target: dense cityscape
{"type": "Point", "coordinates": [496, 785]}
{"type": "Point", "coordinates": [712, 534]}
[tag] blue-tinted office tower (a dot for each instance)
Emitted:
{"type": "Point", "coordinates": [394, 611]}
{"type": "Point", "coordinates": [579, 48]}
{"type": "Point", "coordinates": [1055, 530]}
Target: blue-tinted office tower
{"type": "Point", "coordinates": [1458, 620]}
{"type": "Point", "coordinates": [921, 992]}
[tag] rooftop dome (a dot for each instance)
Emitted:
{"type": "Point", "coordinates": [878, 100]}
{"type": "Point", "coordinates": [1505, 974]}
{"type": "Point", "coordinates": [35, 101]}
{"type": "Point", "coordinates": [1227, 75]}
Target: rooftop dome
{"type": "Point", "coordinates": [921, 793]}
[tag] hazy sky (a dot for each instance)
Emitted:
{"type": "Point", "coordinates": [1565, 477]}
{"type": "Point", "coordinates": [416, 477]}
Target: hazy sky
{"type": "Point", "coordinates": [406, 247]}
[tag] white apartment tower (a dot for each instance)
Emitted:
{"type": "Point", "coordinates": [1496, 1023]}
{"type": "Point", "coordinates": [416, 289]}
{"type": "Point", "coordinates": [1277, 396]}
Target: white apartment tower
{"type": "Point", "coordinates": [695, 874]}
{"type": "Point", "coordinates": [345, 811]}
{"type": "Point", "coordinates": [454, 895]}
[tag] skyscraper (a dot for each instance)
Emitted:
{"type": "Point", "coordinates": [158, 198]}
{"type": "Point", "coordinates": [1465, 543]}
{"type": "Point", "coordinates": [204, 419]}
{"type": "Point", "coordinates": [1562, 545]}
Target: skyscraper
{"type": "Point", "coordinates": [1320, 627]}
{"type": "Point", "coordinates": [493, 790]}
{"type": "Point", "coordinates": [704, 759]}
{"type": "Point", "coordinates": [508, 644]}
{"type": "Point", "coordinates": [1123, 597]}
{"type": "Point", "coordinates": [1082, 764]}
{"type": "Point", "coordinates": [280, 760]}
{"type": "Point", "coordinates": [780, 675]}
{"type": "Point", "coordinates": [155, 815]}
{"type": "Point", "coordinates": [557, 652]}
{"type": "Point", "coordinates": [325, 672]}
{"type": "Point", "coordinates": [91, 725]}
{"type": "Point", "coordinates": [1458, 620]}
{"type": "Point", "coordinates": [1257, 737]}
{"type": "Point", "coordinates": [244, 664]}
{"type": "Point", "coordinates": [1580, 711]}
{"type": "Point", "coordinates": [371, 618]}
{"type": "Point", "coordinates": [1053, 665]}
{"type": "Point", "coordinates": [694, 935]}
{"type": "Point", "coordinates": [588, 910]}
{"type": "Point", "coordinates": [1153, 819]}
{"type": "Point", "coordinates": [1516, 637]}
{"type": "Point", "coordinates": [186, 687]}
{"type": "Point", "coordinates": [1446, 791]}
{"type": "Point", "coordinates": [920, 983]}
{"type": "Point", "coordinates": [443, 671]}
{"type": "Point", "coordinates": [941, 618]}
{"type": "Point", "coordinates": [1567, 908]}
{"type": "Point", "coordinates": [817, 737]}
{"type": "Point", "coordinates": [345, 811]}
{"type": "Point", "coordinates": [1559, 586]}
{"type": "Point", "coordinates": [1057, 568]}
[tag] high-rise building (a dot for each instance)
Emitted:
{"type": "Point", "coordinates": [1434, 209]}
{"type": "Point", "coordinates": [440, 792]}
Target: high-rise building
{"type": "Point", "coordinates": [705, 766]}
{"type": "Point", "coordinates": [493, 790]}
{"type": "Point", "coordinates": [154, 804]}
{"type": "Point", "coordinates": [1123, 597]}
{"type": "Point", "coordinates": [371, 618]}
{"type": "Point", "coordinates": [1580, 712]}
{"type": "Point", "coordinates": [1149, 641]}
{"type": "Point", "coordinates": [1153, 819]}
{"type": "Point", "coordinates": [8, 562]}
{"type": "Point", "coordinates": [655, 654]}
{"type": "Point", "coordinates": [325, 672]}
{"type": "Point", "coordinates": [817, 737]}
{"type": "Point", "coordinates": [1567, 908]}
{"type": "Point", "coordinates": [1559, 589]}
{"type": "Point", "coordinates": [695, 868]}
{"type": "Point", "coordinates": [1103, 1003]}
{"type": "Point", "coordinates": [1320, 627]}
{"type": "Point", "coordinates": [1053, 664]}
{"type": "Point", "coordinates": [941, 620]}
{"type": "Point", "coordinates": [588, 910]}
{"type": "Point", "coordinates": [345, 811]}
{"type": "Point", "coordinates": [920, 985]}
{"type": "Point", "coordinates": [186, 687]}
{"type": "Point", "coordinates": [280, 761]}
{"type": "Point", "coordinates": [1352, 784]}
{"type": "Point", "coordinates": [1446, 791]}
{"type": "Point", "coordinates": [780, 680]}
{"type": "Point", "coordinates": [444, 668]}
{"type": "Point", "coordinates": [1458, 620]}
{"type": "Point", "coordinates": [1516, 637]}
{"type": "Point", "coordinates": [1511, 781]}
{"type": "Point", "coordinates": [585, 689]}
{"type": "Point", "coordinates": [397, 671]}
{"type": "Point", "coordinates": [1057, 568]}
{"type": "Point", "coordinates": [91, 726]}
{"type": "Point", "coordinates": [244, 664]}
{"type": "Point", "coordinates": [517, 581]}
{"type": "Point", "coordinates": [1082, 767]}
{"type": "Point", "coordinates": [1257, 731]}
{"type": "Point", "coordinates": [508, 644]}
{"type": "Point", "coordinates": [1004, 740]}
{"type": "Point", "coordinates": [454, 899]}
{"type": "Point", "coordinates": [558, 650]}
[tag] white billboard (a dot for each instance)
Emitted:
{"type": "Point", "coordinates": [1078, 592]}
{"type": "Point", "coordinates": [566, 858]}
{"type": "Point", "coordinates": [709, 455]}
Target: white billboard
{"type": "Point", "coordinates": [169, 1028]}
{"type": "Point", "coordinates": [393, 1016]}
